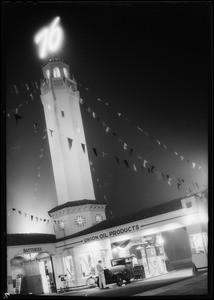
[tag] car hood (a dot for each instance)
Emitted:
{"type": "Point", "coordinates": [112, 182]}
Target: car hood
{"type": "Point", "coordinates": [116, 269]}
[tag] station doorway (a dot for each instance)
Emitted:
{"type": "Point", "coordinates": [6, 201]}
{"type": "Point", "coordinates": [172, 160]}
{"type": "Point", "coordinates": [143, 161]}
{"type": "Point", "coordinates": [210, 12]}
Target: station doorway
{"type": "Point", "coordinates": [32, 273]}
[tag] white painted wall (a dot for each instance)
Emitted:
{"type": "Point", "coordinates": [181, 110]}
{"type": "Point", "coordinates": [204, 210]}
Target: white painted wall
{"type": "Point", "coordinates": [71, 166]}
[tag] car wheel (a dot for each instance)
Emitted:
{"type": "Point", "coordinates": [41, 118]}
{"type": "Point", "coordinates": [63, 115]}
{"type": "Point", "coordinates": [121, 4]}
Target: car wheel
{"type": "Point", "coordinates": [194, 269]}
{"type": "Point", "coordinates": [119, 280]}
{"type": "Point", "coordinates": [91, 281]}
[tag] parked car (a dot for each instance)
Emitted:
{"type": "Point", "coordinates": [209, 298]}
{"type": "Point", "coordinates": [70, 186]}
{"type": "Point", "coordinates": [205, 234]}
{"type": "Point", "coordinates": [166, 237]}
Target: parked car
{"type": "Point", "coordinates": [121, 270]}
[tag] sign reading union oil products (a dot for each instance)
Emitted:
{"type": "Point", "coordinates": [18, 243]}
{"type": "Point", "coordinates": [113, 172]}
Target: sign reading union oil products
{"type": "Point", "coordinates": [32, 250]}
{"type": "Point", "coordinates": [112, 233]}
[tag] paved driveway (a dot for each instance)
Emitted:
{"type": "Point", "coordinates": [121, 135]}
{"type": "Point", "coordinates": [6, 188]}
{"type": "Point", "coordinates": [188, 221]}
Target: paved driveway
{"type": "Point", "coordinates": [141, 286]}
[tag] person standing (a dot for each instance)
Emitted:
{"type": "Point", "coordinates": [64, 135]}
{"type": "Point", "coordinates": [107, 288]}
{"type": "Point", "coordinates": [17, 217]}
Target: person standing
{"type": "Point", "coordinates": [100, 270]}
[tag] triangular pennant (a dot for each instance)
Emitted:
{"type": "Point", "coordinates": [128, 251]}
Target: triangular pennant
{"type": "Point", "coordinates": [70, 142]}
{"type": "Point", "coordinates": [197, 185]}
{"type": "Point", "coordinates": [16, 90]}
{"type": "Point", "coordinates": [114, 134]}
{"type": "Point", "coordinates": [117, 160]}
{"type": "Point", "coordinates": [36, 85]}
{"type": "Point", "coordinates": [106, 103]}
{"type": "Point", "coordinates": [169, 179]}
{"type": "Point", "coordinates": [134, 167]}
{"type": "Point", "coordinates": [13, 209]}
{"type": "Point", "coordinates": [37, 219]}
{"type": "Point", "coordinates": [126, 163]}
{"type": "Point", "coordinates": [20, 212]}
{"type": "Point", "coordinates": [83, 147]}
{"type": "Point", "coordinates": [125, 146]}
{"type": "Point", "coordinates": [81, 101]}
{"type": "Point", "coordinates": [99, 99]}
{"type": "Point", "coordinates": [51, 131]}
{"type": "Point", "coordinates": [193, 165]}
{"type": "Point", "coordinates": [182, 158]}
{"type": "Point", "coordinates": [119, 114]}
{"type": "Point", "coordinates": [93, 115]}
{"type": "Point", "coordinates": [89, 109]}
{"type": "Point", "coordinates": [95, 151]}
{"type": "Point", "coordinates": [144, 163]}
{"type": "Point", "coordinates": [158, 142]}
{"type": "Point", "coordinates": [17, 117]}
{"type": "Point", "coordinates": [152, 169]}
{"type": "Point", "coordinates": [27, 87]}
{"type": "Point", "coordinates": [131, 152]}
{"type": "Point", "coordinates": [107, 129]}
{"type": "Point", "coordinates": [139, 129]}
{"type": "Point", "coordinates": [31, 218]}
{"type": "Point", "coordinates": [176, 153]}
{"type": "Point", "coordinates": [104, 154]}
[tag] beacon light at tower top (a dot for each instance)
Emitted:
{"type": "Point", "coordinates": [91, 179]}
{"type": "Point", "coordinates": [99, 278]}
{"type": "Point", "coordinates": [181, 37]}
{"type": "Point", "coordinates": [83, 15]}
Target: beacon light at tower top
{"type": "Point", "coordinates": [49, 39]}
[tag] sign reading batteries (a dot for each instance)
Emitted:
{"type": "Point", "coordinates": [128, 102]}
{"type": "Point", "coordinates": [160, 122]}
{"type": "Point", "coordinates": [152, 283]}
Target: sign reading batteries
{"type": "Point", "coordinates": [49, 39]}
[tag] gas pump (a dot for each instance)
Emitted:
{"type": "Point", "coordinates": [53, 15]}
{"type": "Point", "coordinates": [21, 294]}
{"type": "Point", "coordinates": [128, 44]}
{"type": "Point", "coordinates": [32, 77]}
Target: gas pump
{"type": "Point", "coordinates": [145, 262]}
{"type": "Point", "coordinates": [161, 259]}
{"type": "Point", "coordinates": [152, 260]}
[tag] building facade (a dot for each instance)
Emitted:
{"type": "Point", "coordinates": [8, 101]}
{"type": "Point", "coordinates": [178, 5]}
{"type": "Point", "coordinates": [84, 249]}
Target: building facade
{"type": "Point", "coordinates": [42, 266]}
{"type": "Point", "coordinates": [41, 263]}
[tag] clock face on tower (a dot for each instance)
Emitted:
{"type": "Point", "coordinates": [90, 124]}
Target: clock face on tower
{"type": "Point", "coordinates": [80, 221]}
{"type": "Point", "coordinates": [98, 218]}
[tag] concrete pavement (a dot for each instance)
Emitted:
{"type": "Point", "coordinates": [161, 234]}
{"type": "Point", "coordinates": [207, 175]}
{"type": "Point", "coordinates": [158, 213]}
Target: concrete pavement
{"type": "Point", "coordinates": [197, 285]}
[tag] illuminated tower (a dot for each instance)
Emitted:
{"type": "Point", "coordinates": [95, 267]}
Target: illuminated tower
{"type": "Point", "coordinates": [60, 99]}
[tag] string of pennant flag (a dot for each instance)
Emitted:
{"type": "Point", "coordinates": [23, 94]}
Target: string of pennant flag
{"type": "Point", "coordinates": [126, 147]}
{"type": "Point", "coordinates": [144, 165]}
{"type": "Point", "coordinates": [141, 130]}
{"type": "Point", "coordinates": [38, 169]}
{"type": "Point", "coordinates": [34, 86]}
{"type": "Point", "coordinates": [31, 89]}
{"type": "Point", "coordinates": [101, 188]}
{"type": "Point", "coordinates": [32, 217]}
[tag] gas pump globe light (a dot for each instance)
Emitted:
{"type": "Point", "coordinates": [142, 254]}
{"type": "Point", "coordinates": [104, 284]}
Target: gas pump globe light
{"type": "Point", "coordinates": [160, 241]}
{"type": "Point", "coordinates": [49, 39]}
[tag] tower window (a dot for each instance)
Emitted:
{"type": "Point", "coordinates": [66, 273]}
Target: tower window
{"type": "Point", "coordinates": [56, 72]}
{"type": "Point", "coordinates": [65, 72]}
{"type": "Point", "coordinates": [48, 74]}
{"type": "Point", "coordinates": [63, 113]}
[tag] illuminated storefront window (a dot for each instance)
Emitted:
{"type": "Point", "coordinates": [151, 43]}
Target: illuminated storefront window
{"type": "Point", "coordinates": [87, 264]}
{"type": "Point", "coordinates": [197, 245]}
{"type": "Point", "coordinates": [69, 267]}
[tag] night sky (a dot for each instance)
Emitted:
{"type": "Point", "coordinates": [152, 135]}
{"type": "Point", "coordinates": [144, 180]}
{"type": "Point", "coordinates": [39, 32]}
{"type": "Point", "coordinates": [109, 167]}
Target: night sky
{"type": "Point", "coordinates": [149, 61]}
